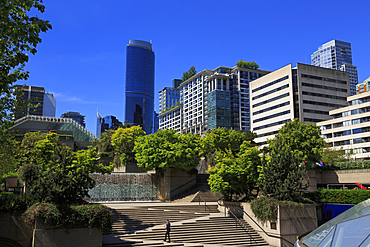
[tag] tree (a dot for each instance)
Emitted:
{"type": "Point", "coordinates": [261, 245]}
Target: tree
{"type": "Point", "coordinates": [222, 139]}
{"type": "Point", "coordinates": [249, 65]}
{"type": "Point", "coordinates": [303, 139]}
{"type": "Point", "coordinates": [331, 156]}
{"type": "Point", "coordinates": [187, 74]}
{"type": "Point", "coordinates": [283, 173]}
{"type": "Point", "coordinates": [59, 176]}
{"type": "Point", "coordinates": [19, 35]}
{"type": "Point", "coordinates": [236, 176]}
{"type": "Point", "coordinates": [123, 142]}
{"type": "Point", "coordinates": [166, 149]}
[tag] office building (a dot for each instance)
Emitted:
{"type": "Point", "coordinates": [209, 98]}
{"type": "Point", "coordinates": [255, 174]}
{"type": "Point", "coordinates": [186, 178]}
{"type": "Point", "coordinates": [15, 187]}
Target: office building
{"type": "Point", "coordinates": [305, 92]}
{"type": "Point", "coordinates": [168, 97]}
{"type": "Point", "coordinates": [75, 116]}
{"type": "Point", "coordinates": [33, 123]}
{"type": "Point", "coordinates": [46, 101]}
{"type": "Point", "coordinates": [212, 99]}
{"type": "Point", "coordinates": [106, 123]}
{"type": "Point", "coordinates": [139, 108]}
{"type": "Point", "coordinates": [337, 55]}
{"type": "Point", "coordinates": [349, 126]}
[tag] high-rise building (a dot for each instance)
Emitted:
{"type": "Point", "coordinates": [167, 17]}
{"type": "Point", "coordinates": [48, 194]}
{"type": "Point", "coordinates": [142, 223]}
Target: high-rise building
{"type": "Point", "coordinates": [75, 116]}
{"type": "Point", "coordinates": [46, 101]}
{"type": "Point", "coordinates": [106, 123]}
{"type": "Point", "coordinates": [349, 127]}
{"type": "Point", "coordinates": [337, 55]}
{"type": "Point", "coordinates": [212, 99]}
{"type": "Point", "coordinates": [139, 107]}
{"type": "Point", "coordinates": [305, 92]}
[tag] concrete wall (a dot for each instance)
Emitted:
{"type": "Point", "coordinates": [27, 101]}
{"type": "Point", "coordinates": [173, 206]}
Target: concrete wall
{"type": "Point", "coordinates": [361, 176]}
{"type": "Point", "coordinates": [173, 182]}
{"type": "Point", "coordinates": [82, 237]}
{"type": "Point", "coordinates": [12, 227]}
{"type": "Point", "coordinates": [290, 223]}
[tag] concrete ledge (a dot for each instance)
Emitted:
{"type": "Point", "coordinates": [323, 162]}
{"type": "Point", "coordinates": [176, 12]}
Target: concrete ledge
{"type": "Point", "coordinates": [82, 237]}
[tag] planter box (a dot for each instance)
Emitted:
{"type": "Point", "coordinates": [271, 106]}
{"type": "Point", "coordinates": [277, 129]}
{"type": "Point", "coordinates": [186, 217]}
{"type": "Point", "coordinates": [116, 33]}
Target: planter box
{"type": "Point", "coordinates": [12, 227]}
{"type": "Point", "coordinates": [225, 207]}
{"type": "Point", "coordinates": [11, 182]}
{"type": "Point", "coordinates": [83, 237]}
{"type": "Point", "coordinates": [290, 223]}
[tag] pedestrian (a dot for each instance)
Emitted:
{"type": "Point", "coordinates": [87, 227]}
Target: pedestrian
{"type": "Point", "coordinates": [168, 229]}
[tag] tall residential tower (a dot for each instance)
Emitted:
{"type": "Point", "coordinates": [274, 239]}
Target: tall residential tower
{"type": "Point", "coordinates": [140, 85]}
{"type": "Point", "coordinates": [337, 55]}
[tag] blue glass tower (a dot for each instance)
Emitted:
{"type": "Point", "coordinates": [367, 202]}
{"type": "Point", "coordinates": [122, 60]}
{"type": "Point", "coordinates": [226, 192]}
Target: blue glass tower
{"type": "Point", "coordinates": [140, 85]}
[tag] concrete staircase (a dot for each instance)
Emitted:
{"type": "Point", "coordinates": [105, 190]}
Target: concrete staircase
{"type": "Point", "coordinates": [193, 194]}
{"type": "Point", "coordinates": [128, 220]}
{"type": "Point", "coordinates": [191, 225]}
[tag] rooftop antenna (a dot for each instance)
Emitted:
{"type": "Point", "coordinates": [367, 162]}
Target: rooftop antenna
{"type": "Point", "coordinates": [150, 41]}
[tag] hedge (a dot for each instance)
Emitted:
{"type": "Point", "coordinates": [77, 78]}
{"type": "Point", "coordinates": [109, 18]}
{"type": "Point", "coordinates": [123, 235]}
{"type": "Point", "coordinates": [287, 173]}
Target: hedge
{"type": "Point", "coordinates": [338, 196]}
{"type": "Point", "coordinates": [63, 216]}
{"type": "Point", "coordinates": [10, 202]}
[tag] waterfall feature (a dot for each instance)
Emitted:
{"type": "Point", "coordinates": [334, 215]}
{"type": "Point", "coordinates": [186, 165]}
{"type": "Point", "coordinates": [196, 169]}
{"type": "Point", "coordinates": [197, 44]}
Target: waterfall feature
{"type": "Point", "coordinates": [124, 187]}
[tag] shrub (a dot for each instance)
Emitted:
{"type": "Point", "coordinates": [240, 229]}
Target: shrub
{"type": "Point", "coordinates": [266, 208]}
{"type": "Point", "coordinates": [10, 202]}
{"type": "Point", "coordinates": [338, 196]}
{"type": "Point", "coordinates": [63, 216]}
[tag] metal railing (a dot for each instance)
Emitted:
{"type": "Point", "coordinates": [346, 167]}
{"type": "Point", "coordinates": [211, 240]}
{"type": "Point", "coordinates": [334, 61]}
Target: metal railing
{"type": "Point", "coordinates": [241, 224]}
{"type": "Point", "coordinates": [205, 203]}
{"type": "Point", "coordinates": [182, 186]}
{"type": "Point", "coordinates": [269, 235]}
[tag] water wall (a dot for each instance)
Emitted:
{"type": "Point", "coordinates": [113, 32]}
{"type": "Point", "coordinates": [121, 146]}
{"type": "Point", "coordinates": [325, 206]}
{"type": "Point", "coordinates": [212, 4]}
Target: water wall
{"type": "Point", "coordinates": [124, 187]}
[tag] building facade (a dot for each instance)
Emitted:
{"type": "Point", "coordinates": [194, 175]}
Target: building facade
{"type": "Point", "coordinates": [337, 55]}
{"type": "Point", "coordinates": [305, 92]}
{"type": "Point", "coordinates": [139, 108]}
{"type": "Point", "coordinates": [168, 97]}
{"type": "Point", "coordinates": [75, 116]}
{"type": "Point", "coordinates": [212, 99]}
{"type": "Point", "coordinates": [46, 101]}
{"type": "Point", "coordinates": [106, 123]}
{"type": "Point", "coordinates": [349, 127]}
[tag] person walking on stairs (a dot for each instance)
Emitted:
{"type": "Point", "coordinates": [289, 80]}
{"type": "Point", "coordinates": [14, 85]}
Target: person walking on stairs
{"type": "Point", "coordinates": [168, 229]}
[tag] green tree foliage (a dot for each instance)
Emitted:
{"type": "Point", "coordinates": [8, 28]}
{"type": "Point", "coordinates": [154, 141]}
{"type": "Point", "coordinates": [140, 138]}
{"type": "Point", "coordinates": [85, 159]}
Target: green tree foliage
{"type": "Point", "coordinates": [166, 149]}
{"type": "Point", "coordinates": [282, 173]}
{"type": "Point", "coordinates": [303, 139]}
{"type": "Point", "coordinates": [104, 144]}
{"type": "Point", "coordinates": [222, 139]}
{"type": "Point", "coordinates": [8, 152]}
{"type": "Point", "coordinates": [59, 176]}
{"type": "Point", "coordinates": [236, 175]}
{"type": "Point", "coordinates": [187, 74]}
{"type": "Point", "coordinates": [19, 35]}
{"type": "Point", "coordinates": [249, 65]}
{"type": "Point", "coordinates": [123, 142]}
{"type": "Point", "coordinates": [331, 156]}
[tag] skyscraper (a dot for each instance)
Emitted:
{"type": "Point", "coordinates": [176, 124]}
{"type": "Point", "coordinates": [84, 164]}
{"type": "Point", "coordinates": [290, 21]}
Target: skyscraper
{"type": "Point", "coordinates": [140, 85]}
{"type": "Point", "coordinates": [75, 116]}
{"type": "Point", "coordinates": [337, 55]}
{"type": "Point", "coordinates": [106, 123]}
{"type": "Point", "coordinates": [46, 101]}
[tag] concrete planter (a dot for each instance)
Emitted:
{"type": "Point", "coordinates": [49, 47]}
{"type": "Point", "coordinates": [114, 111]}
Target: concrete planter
{"type": "Point", "coordinates": [290, 223]}
{"type": "Point", "coordinates": [11, 182]}
{"type": "Point", "coordinates": [82, 237]}
{"type": "Point", "coordinates": [235, 207]}
{"type": "Point", "coordinates": [12, 227]}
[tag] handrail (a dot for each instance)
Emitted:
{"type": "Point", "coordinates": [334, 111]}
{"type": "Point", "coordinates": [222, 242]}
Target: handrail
{"type": "Point", "coordinates": [205, 203]}
{"type": "Point", "coordinates": [183, 185]}
{"type": "Point", "coordinates": [242, 224]}
{"type": "Point", "coordinates": [269, 235]}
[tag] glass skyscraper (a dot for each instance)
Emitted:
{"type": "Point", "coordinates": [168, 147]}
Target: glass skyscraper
{"type": "Point", "coordinates": [337, 55]}
{"type": "Point", "coordinates": [140, 85]}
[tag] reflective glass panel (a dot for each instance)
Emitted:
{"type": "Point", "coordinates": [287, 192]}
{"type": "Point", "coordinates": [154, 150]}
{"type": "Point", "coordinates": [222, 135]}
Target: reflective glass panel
{"type": "Point", "coordinates": [351, 233]}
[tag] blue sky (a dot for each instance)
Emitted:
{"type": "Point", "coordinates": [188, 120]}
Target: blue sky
{"type": "Point", "coordinates": [82, 60]}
